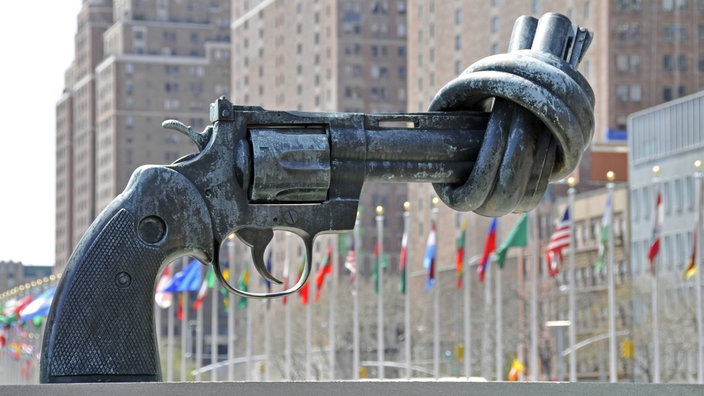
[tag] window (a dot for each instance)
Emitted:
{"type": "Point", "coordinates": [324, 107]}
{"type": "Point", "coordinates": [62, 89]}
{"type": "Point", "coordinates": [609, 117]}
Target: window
{"type": "Point", "coordinates": [494, 26]}
{"type": "Point", "coordinates": [635, 93]}
{"type": "Point", "coordinates": [622, 62]}
{"type": "Point", "coordinates": [622, 92]}
{"type": "Point", "coordinates": [682, 62]}
{"type": "Point", "coordinates": [635, 63]}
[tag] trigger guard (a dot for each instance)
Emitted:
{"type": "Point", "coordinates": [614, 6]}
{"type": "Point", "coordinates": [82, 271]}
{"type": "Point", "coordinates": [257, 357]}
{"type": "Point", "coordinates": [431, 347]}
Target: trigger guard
{"type": "Point", "coordinates": [307, 241]}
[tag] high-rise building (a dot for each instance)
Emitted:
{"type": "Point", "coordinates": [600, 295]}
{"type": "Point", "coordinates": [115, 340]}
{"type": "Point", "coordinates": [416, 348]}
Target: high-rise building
{"type": "Point", "coordinates": [137, 63]}
{"type": "Point", "coordinates": [644, 53]}
{"type": "Point", "coordinates": [327, 55]}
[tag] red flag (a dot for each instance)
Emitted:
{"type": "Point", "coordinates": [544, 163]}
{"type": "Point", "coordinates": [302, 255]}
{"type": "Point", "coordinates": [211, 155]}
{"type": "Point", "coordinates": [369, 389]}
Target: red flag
{"type": "Point", "coordinates": [459, 263]}
{"type": "Point", "coordinates": [162, 298]}
{"type": "Point", "coordinates": [180, 307]}
{"type": "Point", "coordinates": [489, 246]}
{"type": "Point", "coordinates": [559, 240]}
{"type": "Point", "coordinates": [655, 235]}
{"type": "Point", "coordinates": [692, 267]}
{"type": "Point", "coordinates": [325, 268]}
{"type": "Point", "coordinates": [303, 291]}
{"type": "Point", "coordinates": [403, 257]}
{"type": "Point", "coordinates": [429, 258]}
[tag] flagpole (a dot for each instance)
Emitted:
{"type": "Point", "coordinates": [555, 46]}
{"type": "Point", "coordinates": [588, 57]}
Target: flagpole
{"type": "Point", "coordinates": [214, 330]}
{"type": "Point", "coordinates": [654, 296]}
{"type": "Point", "coordinates": [170, 348]}
{"type": "Point", "coordinates": [267, 339]}
{"type": "Point", "coordinates": [407, 295]}
{"type": "Point", "coordinates": [331, 320]}
{"type": "Point", "coordinates": [467, 317]}
{"type": "Point", "coordinates": [231, 311]}
{"type": "Point", "coordinates": [309, 336]}
{"type": "Point", "coordinates": [184, 327]}
{"type": "Point", "coordinates": [248, 340]}
{"type": "Point", "coordinates": [380, 293]}
{"type": "Point", "coordinates": [355, 300]}
{"type": "Point", "coordinates": [698, 275]}
{"type": "Point", "coordinates": [613, 373]}
{"type": "Point", "coordinates": [486, 370]}
{"type": "Point", "coordinates": [436, 298]}
{"type": "Point", "coordinates": [199, 342]}
{"type": "Point", "coordinates": [436, 327]}
{"type": "Point", "coordinates": [535, 260]}
{"type": "Point", "coordinates": [287, 311]}
{"type": "Point", "coordinates": [571, 181]}
{"type": "Point", "coordinates": [499, 348]}
{"type": "Point", "coordinates": [499, 324]}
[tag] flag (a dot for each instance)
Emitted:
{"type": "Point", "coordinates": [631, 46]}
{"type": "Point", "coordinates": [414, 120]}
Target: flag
{"type": "Point", "coordinates": [692, 267]}
{"type": "Point", "coordinates": [223, 291]}
{"type": "Point", "coordinates": [267, 282]}
{"type": "Point", "coordinates": [188, 279]}
{"type": "Point", "coordinates": [351, 263]}
{"type": "Point", "coordinates": [179, 311]}
{"type": "Point", "coordinates": [516, 368]}
{"type": "Point", "coordinates": [459, 262]}
{"type": "Point", "coordinates": [208, 283]}
{"type": "Point", "coordinates": [489, 246]}
{"type": "Point", "coordinates": [403, 257]}
{"type": "Point", "coordinates": [429, 258]}
{"type": "Point", "coordinates": [162, 298]}
{"type": "Point", "coordinates": [243, 285]}
{"type": "Point", "coordinates": [559, 240]}
{"type": "Point", "coordinates": [21, 304]}
{"type": "Point", "coordinates": [379, 261]}
{"type": "Point", "coordinates": [285, 299]}
{"type": "Point", "coordinates": [303, 291]}
{"type": "Point", "coordinates": [655, 235]}
{"type": "Point", "coordinates": [604, 237]}
{"type": "Point", "coordinates": [518, 237]}
{"type": "Point", "coordinates": [39, 306]}
{"type": "Point", "coordinates": [325, 268]}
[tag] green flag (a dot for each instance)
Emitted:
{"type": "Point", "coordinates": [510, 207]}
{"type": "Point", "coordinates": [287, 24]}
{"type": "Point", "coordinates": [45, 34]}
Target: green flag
{"type": "Point", "coordinates": [243, 284]}
{"type": "Point", "coordinates": [518, 237]}
{"type": "Point", "coordinates": [604, 236]}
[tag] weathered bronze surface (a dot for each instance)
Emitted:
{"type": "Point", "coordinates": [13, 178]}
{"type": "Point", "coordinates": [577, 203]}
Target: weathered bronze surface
{"type": "Point", "coordinates": [492, 140]}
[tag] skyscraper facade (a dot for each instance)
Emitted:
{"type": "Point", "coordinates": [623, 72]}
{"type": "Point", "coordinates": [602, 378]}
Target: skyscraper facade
{"type": "Point", "coordinates": [137, 63]}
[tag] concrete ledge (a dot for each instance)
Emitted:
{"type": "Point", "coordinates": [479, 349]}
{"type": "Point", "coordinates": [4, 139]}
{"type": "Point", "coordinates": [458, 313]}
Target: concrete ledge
{"type": "Point", "coordinates": [349, 388]}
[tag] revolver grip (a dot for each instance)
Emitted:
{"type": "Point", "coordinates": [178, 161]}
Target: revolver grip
{"type": "Point", "coordinates": [101, 324]}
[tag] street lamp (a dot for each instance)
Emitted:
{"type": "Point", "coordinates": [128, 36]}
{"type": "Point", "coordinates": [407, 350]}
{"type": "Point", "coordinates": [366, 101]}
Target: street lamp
{"type": "Point", "coordinates": [571, 182]}
{"type": "Point", "coordinates": [559, 325]}
{"type": "Point", "coordinates": [380, 292]}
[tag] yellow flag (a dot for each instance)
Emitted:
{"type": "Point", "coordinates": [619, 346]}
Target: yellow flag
{"type": "Point", "coordinates": [516, 368]}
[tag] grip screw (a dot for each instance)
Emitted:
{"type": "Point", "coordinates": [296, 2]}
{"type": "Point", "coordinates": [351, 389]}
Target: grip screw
{"type": "Point", "coordinates": [291, 217]}
{"type": "Point", "coordinates": [151, 229]}
{"type": "Point", "coordinates": [123, 279]}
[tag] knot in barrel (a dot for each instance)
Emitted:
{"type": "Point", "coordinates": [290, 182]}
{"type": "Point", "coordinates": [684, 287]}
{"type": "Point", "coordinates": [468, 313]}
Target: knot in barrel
{"type": "Point", "coordinates": [542, 116]}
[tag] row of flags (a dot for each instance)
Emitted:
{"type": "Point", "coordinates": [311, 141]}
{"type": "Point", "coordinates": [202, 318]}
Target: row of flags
{"type": "Point", "coordinates": [189, 279]}
{"type": "Point", "coordinates": [656, 236]}
{"type": "Point", "coordinates": [30, 308]}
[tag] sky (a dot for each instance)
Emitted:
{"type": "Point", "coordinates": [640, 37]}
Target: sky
{"type": "Point", "coordinates": [37, 47]}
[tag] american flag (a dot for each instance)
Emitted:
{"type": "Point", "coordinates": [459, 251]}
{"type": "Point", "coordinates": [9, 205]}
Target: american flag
{"type": "Point", "coordinates": [559, 240]}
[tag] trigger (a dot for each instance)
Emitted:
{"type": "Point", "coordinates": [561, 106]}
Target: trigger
{"type": "Point", "coordinates": [257, 240]}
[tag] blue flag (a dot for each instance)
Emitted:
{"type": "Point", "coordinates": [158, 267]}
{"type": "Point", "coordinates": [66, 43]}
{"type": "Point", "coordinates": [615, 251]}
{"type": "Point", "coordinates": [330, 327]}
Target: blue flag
{"type": "Point", "coordinates": [188, 279]}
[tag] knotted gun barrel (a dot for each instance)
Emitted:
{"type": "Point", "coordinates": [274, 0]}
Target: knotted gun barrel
{"type": "Point", "coordinates": [541, 121]}
{"type": "Point", "coordinates": [258, 171]}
